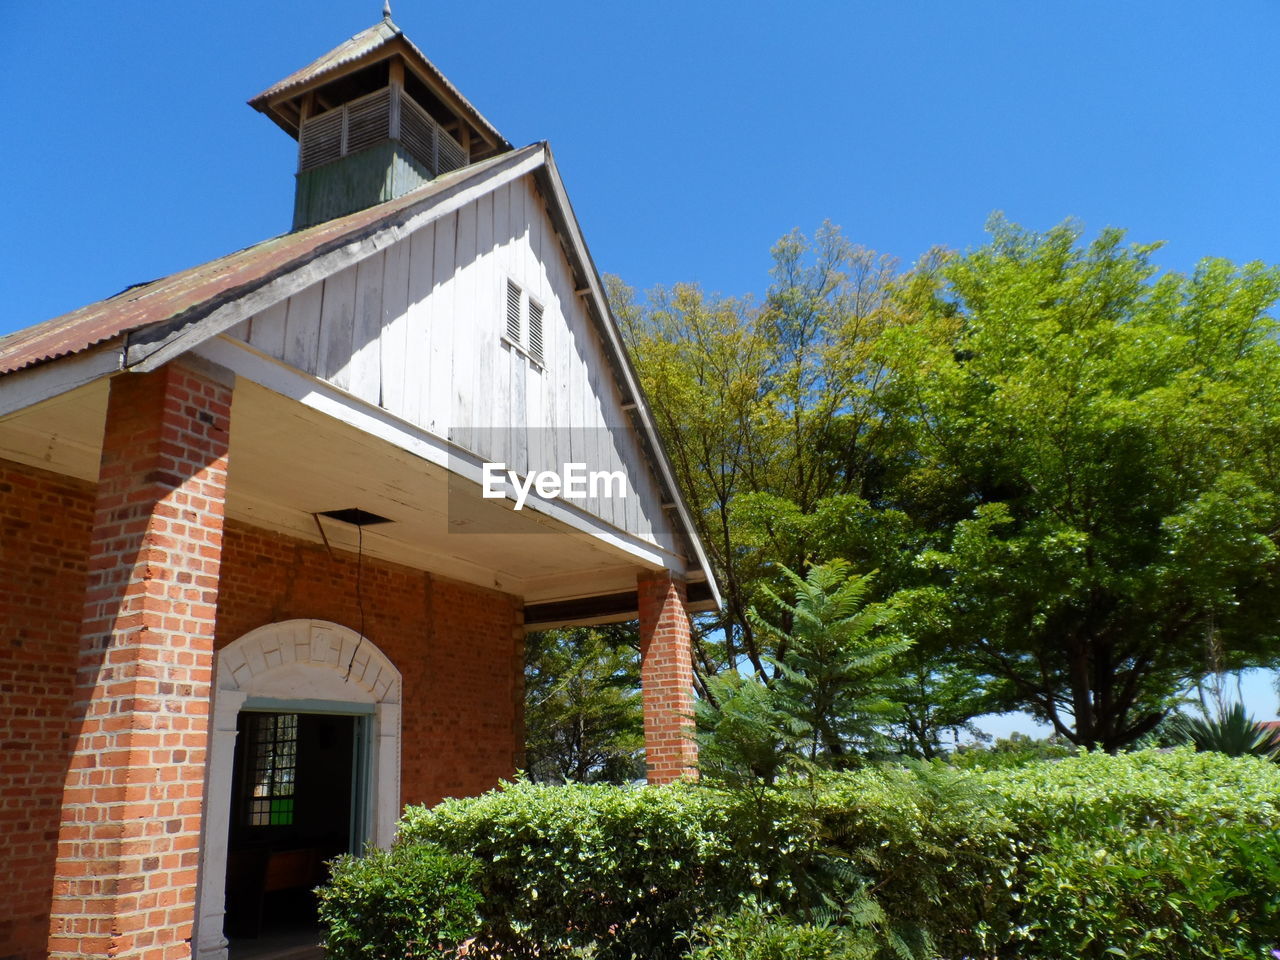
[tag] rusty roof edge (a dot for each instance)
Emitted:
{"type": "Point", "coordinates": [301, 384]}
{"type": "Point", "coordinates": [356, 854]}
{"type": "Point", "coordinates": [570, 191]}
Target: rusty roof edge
{"type": "Point", "coordinates": [102, 343]}
{"type": "Point", "coordinates": [312, 71]}
{"type": "Point", "coordinates": [144, 344]}
{"type": "Point", "coordinates": [39, 361]}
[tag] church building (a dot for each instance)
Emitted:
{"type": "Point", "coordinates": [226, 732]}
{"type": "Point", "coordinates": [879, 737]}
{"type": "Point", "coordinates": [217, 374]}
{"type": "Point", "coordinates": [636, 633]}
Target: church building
{"type": "Point", "coordinates": [273, 528]}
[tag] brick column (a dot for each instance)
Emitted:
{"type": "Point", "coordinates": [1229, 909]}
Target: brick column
{"type": "Point", "coordinates": [666, 678]}
{"type": "Point", "coordinates": [129, 843]}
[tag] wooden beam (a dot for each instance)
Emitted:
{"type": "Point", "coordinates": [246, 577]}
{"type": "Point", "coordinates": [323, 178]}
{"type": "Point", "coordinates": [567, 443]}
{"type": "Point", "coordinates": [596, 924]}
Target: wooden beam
{"type": "Point", "coordinates": [607, 608]}
{"type": "Point", "coordinates": [623, 606]}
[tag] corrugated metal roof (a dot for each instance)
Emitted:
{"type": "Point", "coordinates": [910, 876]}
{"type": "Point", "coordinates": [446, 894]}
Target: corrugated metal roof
{"type": "Point", "coordinates": [365, 42]}
{"type": "Point", "coordinates": [203, 288]}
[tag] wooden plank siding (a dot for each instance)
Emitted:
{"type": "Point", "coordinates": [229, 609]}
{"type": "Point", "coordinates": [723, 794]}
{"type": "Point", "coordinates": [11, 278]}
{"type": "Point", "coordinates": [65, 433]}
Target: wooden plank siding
{"type": "Point", "coordinates": [419, 329]}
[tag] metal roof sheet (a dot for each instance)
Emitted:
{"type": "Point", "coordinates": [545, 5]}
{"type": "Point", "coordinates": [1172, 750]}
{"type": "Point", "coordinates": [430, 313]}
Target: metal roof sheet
{"type": "Point", "coordinates": [365, 42]}
{"type": "Point", "coordinates": [208, 285]}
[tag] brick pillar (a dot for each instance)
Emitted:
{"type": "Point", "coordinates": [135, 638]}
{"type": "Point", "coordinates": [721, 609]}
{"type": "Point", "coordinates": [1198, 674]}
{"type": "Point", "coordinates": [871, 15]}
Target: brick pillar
{"type": "Point", "coordinates": [666, 678]}
{"type": "Point", "coordinates": [129, 843]}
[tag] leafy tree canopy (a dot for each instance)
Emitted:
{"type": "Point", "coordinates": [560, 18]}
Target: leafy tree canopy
{"type": "Point", "coordinates": [1096, 451]}
{"type": "Point", "coordinates": [583, 719]}
{"type": "Point", "coordinates": [1063, 466]}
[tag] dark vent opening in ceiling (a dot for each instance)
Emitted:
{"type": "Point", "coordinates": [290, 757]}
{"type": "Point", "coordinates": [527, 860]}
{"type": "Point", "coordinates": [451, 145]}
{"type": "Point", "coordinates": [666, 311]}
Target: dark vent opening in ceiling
{"type": "Point", "coordinates": [355, 516]}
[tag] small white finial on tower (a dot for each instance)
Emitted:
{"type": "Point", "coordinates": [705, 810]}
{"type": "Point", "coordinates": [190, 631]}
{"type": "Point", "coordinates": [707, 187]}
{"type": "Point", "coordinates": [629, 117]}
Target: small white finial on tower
{"type": "Point", "coordinates": [386, 9]}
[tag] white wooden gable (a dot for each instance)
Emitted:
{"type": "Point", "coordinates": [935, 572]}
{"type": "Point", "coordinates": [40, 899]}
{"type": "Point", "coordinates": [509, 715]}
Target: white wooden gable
{"type": "Point", "coordinates": [417, 328]}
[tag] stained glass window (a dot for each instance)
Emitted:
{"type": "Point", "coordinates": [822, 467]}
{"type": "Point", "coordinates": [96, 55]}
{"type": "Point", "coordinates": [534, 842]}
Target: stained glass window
{"type": "Point", "coordinates": [274, 766]}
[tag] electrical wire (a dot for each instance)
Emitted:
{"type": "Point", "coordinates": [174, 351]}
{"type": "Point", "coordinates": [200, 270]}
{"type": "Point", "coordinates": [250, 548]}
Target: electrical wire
{"type": "Point", "coordinates": [359, 598]}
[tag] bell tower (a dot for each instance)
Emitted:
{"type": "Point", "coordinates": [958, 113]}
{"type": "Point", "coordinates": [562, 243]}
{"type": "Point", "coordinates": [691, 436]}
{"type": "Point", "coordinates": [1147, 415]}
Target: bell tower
{"type": "Point", "coordinates": [374, 118]}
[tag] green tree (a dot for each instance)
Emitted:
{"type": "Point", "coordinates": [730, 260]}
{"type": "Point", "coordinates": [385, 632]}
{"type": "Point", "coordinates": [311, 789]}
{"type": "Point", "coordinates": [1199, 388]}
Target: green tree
{"type": "Point", "coordinates": [832, 684]}
{"type": "Point", "coordinates": [1095, 456]}
{"type": "Point", "coordinates": [834, 668]}
{"type": "Point", "coordinates": [937, 699]}
{"type": "Point", "coordinates": [583, 716]}
{"type": "Point", "coordinates": [770, 412]}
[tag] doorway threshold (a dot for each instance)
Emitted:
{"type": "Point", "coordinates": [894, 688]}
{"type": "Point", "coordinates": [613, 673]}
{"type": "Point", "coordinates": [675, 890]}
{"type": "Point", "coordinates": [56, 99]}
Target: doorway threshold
{"type": "Point", "coordinates": [287, 945]}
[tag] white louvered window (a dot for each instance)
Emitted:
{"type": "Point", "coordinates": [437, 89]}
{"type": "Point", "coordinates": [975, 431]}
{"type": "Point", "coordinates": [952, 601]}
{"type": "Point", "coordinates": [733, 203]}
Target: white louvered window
{"type": "Point", "coordinates": [524, 329]}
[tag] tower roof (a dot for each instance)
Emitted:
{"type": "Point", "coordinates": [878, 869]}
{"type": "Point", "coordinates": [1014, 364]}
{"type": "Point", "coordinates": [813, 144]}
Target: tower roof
{"type": "Point", "coordinates": [383, 41]}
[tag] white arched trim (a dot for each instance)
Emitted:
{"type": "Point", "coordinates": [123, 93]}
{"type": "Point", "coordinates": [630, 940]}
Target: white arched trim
{"type": "Point", "coordinates": [302, 661]}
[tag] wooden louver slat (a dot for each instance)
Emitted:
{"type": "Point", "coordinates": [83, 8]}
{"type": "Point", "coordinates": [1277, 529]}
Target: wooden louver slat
{"type": "Point", "coordinates": [535, 330]}
{"type": "Point", "coordinates": [321, 140]}
{"type": "Point", "coordinates": [427, 141]}
{"type": "Point", "coordinates": [450, 155]}
{"type": "Point", "coordinates": [418, 132]}
{"type": "Point", "coordinates": [513, 312]}
{"type": "Point", "coordinates": [368, 120]}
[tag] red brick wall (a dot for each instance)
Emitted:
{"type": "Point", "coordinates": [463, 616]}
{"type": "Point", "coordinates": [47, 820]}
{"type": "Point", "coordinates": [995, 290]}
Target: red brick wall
{"type": "Point", "coordinates": [666, 679]}
{"type": "Point", "coordinates": [454, 646]}
{"type": "Point", "coordinates": [45, 521]}
{"type": "Point", "coordinates": [458, 649]}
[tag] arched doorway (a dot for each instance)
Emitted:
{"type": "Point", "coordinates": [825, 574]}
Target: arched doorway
{"type": "Point", "coordinates": [296, 668]}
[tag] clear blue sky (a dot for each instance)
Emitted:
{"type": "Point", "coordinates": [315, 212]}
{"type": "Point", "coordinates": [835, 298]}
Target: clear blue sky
{"type": "Point", "coordinates": [691, 135]}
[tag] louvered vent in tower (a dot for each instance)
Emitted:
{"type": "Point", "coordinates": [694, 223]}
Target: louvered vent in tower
{"type": "Point", "coordinates": [321, 140]}
{"type": "Point", "coordinates": [344, 130]}
{"type": "Point", "coordinates": [426, 141]}
{"type": "Point", "coordinates": [513, 312]}
{"type": "Point", "coordinates": [368, 120]}
{"type": "Point", "coordinates": [535, 330]}
{"type": "Point", "coordinates": [449, 153]}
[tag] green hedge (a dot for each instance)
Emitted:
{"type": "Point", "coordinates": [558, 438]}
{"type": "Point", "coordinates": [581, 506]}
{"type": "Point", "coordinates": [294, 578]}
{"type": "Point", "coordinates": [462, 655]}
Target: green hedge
{"type": "Point", "coordinates": [1148, 854]}
{"type": "Point", "coordinates": [411, 901]}
{"type": "Point", "coordinates": [632, 871]}
{"type": "Point", "coordinates": [752, 934]}
{"type": "Point", "coordinates": [1141, 855]}
{"type": "Point", "coordinates": [579, 865]}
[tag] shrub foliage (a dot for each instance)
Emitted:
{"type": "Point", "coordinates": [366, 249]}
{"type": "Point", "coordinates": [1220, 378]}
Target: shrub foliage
{"type": "Point", "coordinates": [410, 901]}
{"type": "Point", "coordinates": [1141, 855]}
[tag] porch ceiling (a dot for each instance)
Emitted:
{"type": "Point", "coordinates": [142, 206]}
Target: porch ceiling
{"type": "Point", "coordinates": [289, 461]}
